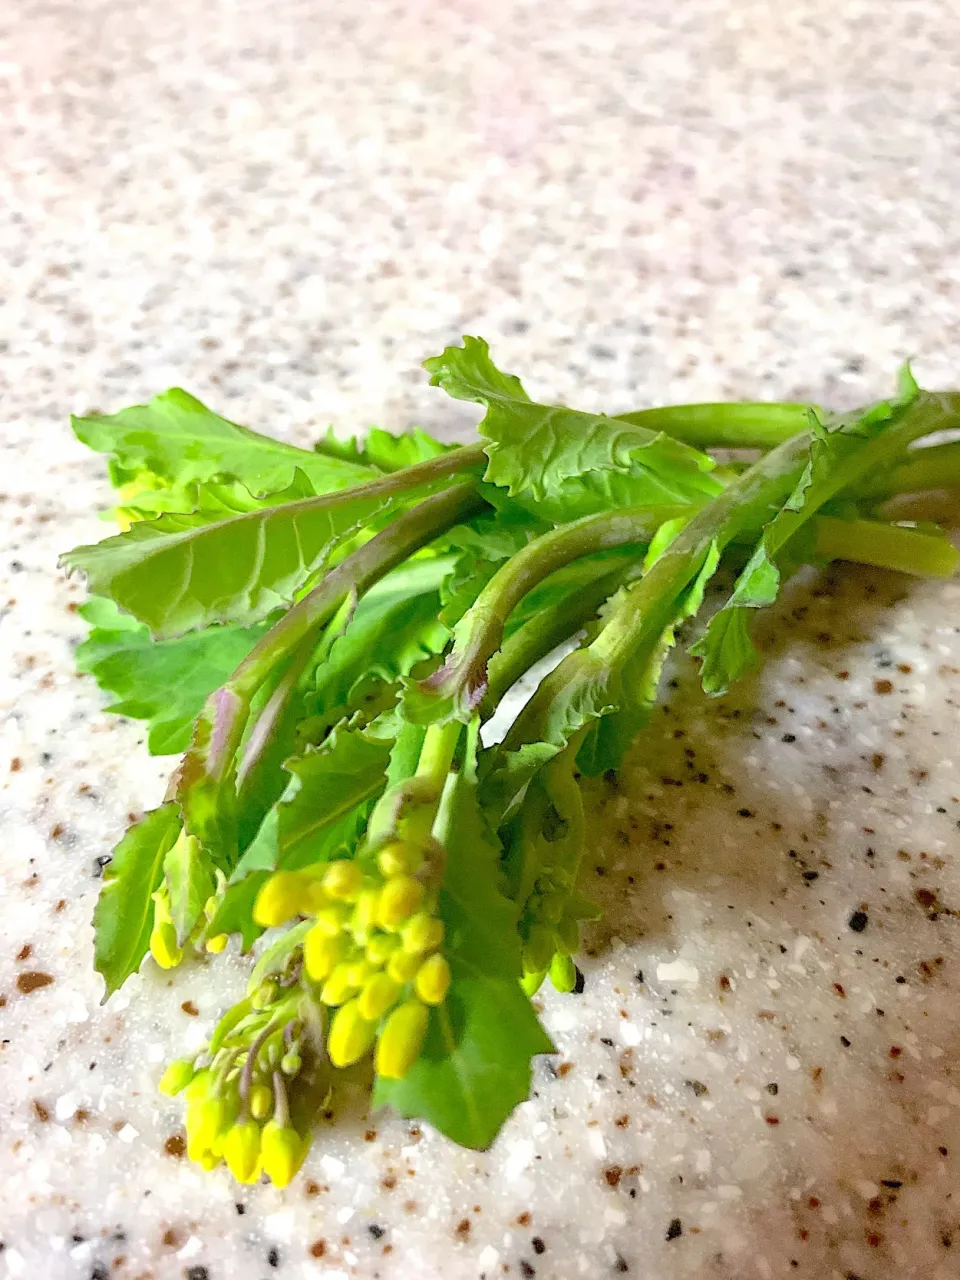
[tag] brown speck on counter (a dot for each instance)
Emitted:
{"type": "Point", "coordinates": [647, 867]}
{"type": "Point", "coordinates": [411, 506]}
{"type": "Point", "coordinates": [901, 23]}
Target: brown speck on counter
{"type": "Point", "coordinates": [25, 952]}
{"type": "Point", "coordinates": [463, 1229]}
{"type": "Point", "coordinates": [40, 1111]}
{"type": "Point", "coordinates": [318, 1249]}
{"type": "Point", "coordinates": [612, 1175]}
{"type": "Point", "coordinates": [190, 1009]}
{"type": "Point", "coordinates": [176, 1146]}
{"type": "Point", "coordinates": [32, 980]}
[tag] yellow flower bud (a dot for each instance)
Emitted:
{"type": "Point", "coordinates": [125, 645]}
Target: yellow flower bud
{"type": "Point", "coordinates": [398, 859]}
{"type": "Point", "coordinates": [208, 1161]}
{"type": "Point", "coordinates": [402, 966]}
{"type": "Point", "coordinates": [379, 995]}
{"type": "Point", "coordinates": [241, 1150]}
{"type": "Point", "coordinates": [422, 933]}
{"type": "Point", "coordinates": [177, 1076]}
{"type": "Point", "coordinates": [360, 970]}
{"type": "Point", "coordinates": [399, 899]}
{"type": "Point", "coordinates": [563, 973]}
{"type": "Point", "coordinates": [402, 1039]}
{"type": "Point", "coordinates": [204, 1121]}
{"type": "Point", "coordinates": [381, 947]}
{"type": "Point", "coordinates": [314, 897]}
{"type": "Point", "coordinates": [321, 952]}
{"type": "Point", "coordinates": [365, 914]}
{"type": "Point", "coordinates": [532, 982]}
{"type": "Point", "coordinates": [280, 898]}
{"type": "Point", "coordinates": [351, 1035]}
{"type": "Point", "coordinates": [331, 919]}
{"type": "Point", "coordinates": [343, 880]}
{"type": "Point", "coordinates": [163, 945]}
{"type": "Point", "coordinates": [433, 980]}
{"type": "Point", "coordinates": [337, 989]}
{"type": "Point", "coordinates": [282, 1151]}
{"type": "Point", "coordinates": [217, 943]}
{"type": "Point", "coordinates": [199, 1086]}
{"type": "Point", "coordinates": [260, 1099]}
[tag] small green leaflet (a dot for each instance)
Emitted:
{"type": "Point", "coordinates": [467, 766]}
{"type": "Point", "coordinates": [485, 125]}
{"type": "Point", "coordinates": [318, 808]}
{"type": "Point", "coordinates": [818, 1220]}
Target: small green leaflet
{"type": "Point", "coordinates": [535, 448]}
{"type": "Point", "coordinates": [382, 449]}
{"type": "Point", "coordinates": [181, 442]}
{"type": "Point", "coordinates": [188, 876]}
{"type": "Point", "coordinates": [394, 627]}
{"type": "Point", "coordinates": [164, 682]}
{"type": "Point", "coordinates": [324, 806]}
{"type": "Point", "coordinates": [123, 916]}
{"type": "Point", "coordinates": [233, 560]}
{"type": "Point", "coordinates": [475, 1064]}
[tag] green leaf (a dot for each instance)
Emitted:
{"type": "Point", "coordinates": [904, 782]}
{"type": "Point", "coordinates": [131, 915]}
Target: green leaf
{"type": "Point", "coordinates": [188, 875]}
{"type": "Point", "coordinates": [535, 448]}
{"type": "Point", "coordinates": [382, 449]}
{"type": "Point", "coordinates": [234, 913]}
{"type": "Point", "coordinates": [394, 627]}
{"type": "Point", "coordinates": [325, 805]}
{"type": "Point", "coordinates": [178, 440]}
{"type": "Point", "coordinates": [123, 916]}
{"type": "Point", "coordinates": [163, 682]}
{"type": "Point", "coordinates": [475, 1064]}
{"type": "Point", "coordinates": [234, 560]}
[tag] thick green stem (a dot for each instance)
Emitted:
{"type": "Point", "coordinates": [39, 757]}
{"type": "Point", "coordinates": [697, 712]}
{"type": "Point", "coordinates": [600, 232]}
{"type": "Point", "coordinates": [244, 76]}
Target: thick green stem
{"type": "Point", "coordinates": [886, 546]}
{"type": "Point", "coordinates": [936, 466]}
{"type": "Point", "coordinates": [724, 426]}
{"type": "Point", "coordinates": [457, 687]}
{"type": "Point", "coordinates": [543, 632]}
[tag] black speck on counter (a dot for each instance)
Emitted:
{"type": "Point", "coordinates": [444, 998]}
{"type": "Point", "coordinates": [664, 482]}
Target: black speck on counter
{"type": "Point", "coordinates": [99, 1272]}
{"type": "Point", "coordinates": [675, 1229]}
{"type": "Point", "coordinates": [240, 1208]}
{"type": "Point", "coordinates": [273, 1258]}
{"type": "Point", "coordinates": [621, 1266]}
{"type": "Point", "coordinates": [376, 1232]}
{"type": "Point", "coordinates": [538, 1245]}
{"type": "Point", "coordinates": [858, 921]}
{"type": "Point", "coordinates": [580, 983]}
{"type": "Point", "coordinates": [773, 1088]}
{"type": "Point", "coordinates": [198, 1273]}
{"type": "Point", "coordinates": [526, 1269]}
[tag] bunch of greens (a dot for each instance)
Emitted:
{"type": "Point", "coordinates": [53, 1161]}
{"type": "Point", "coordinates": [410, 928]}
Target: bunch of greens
{"type": "Point", "coordinates": [322, 634]}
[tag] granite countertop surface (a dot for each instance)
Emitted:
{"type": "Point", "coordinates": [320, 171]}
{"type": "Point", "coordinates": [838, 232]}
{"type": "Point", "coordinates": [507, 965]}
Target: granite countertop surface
{"type": "Point", "coordinates": [285, 207]}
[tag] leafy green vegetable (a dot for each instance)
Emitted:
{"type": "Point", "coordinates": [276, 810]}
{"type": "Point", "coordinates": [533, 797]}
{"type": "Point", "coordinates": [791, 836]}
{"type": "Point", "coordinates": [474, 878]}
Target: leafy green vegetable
{"type": "Point", "coordinates": [123, 917]}
{"type": "Point", "coordinates": [357, 611]}
{"type": "Point", "coordinates": [164, 682]}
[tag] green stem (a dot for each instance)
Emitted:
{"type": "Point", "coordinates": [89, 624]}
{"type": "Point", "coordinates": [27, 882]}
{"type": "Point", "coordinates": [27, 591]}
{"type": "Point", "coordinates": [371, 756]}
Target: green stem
{"type": "Point", "coordinates": [543, 632]}
{"type": "Point", "coordinates": [724, 426]}
{"type": "Point", "coordinates": [886, 546]}
{"type": "Point", "coordinates": [457, 687]}
{"type": "Point", "coordinates": [935, 466]}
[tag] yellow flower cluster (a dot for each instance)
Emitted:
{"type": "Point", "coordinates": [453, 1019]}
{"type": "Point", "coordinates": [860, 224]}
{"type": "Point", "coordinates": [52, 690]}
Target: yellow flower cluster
{"type": "Point", "coordinates": [373, 951]}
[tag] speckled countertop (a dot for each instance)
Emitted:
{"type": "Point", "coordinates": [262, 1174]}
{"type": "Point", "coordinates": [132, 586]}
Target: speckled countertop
{"type": "Point", "coordinates": [284, 207]}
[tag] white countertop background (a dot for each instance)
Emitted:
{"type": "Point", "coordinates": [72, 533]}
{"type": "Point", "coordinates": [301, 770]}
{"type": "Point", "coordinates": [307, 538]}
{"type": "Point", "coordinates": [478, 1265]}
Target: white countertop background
{"type": "Point", "coordinates": [284, 207]}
